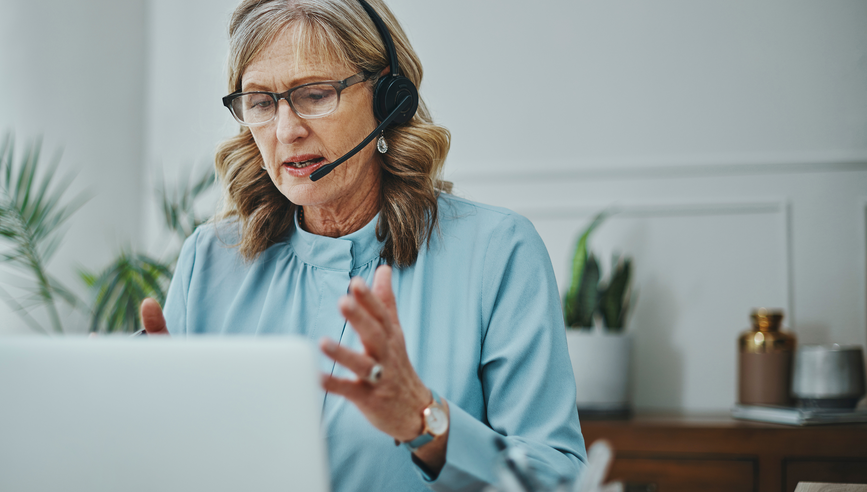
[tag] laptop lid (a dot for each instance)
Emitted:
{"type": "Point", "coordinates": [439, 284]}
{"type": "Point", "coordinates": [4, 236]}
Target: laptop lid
{"type": "Point", "coordinates": [148, 414]}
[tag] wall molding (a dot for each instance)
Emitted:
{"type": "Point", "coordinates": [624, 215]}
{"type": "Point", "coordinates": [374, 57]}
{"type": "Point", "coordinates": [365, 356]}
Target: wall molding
{"type": "Point", "coordinates": [661, 171]}
{"type": "Point", "coordinates": [781, 207]}
{"type": "Point", "coordinates": [672, 209]}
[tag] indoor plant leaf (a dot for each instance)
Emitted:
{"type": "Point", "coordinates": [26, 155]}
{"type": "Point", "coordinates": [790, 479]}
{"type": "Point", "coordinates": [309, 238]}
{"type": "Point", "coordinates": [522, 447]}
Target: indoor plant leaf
{"type": "Point", "coordinates": [614, 297]}
{"type": "Point", "coordinates": [32, 213]}
{"type": "Point", "coordinates": [579, 260]}
{"type": "Point", "coordinates": [587, 299]}
{"type": "Point", "coordinates": [121, 287]}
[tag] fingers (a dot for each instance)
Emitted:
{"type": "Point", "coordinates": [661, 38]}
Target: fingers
{"type": "Point", "coordinates": [382, 290]}
{"type": "Point", "coordinates": [350, 390]}
{"type": "Point", "coordinates": [370, 331]}
{"type": "Point", "coordinates": [152, 317]}
{"type": "Point", "coordinates": [356, 362]}
{"type": "Point", "coordinates": [371, 302]}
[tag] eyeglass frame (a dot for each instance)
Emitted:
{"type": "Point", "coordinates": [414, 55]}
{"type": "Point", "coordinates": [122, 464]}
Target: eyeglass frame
{"type": "Point", "coordinates": [339, 86]}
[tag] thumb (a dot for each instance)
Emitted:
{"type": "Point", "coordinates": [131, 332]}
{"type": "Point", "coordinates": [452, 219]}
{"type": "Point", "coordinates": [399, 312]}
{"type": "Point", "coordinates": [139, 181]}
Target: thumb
{"type": "Point", "coordinates": [152, 317]}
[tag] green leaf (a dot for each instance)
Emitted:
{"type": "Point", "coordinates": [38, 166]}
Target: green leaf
{"type": "Point", "coordinates": [121, 287]}
{"type": "Point", "coordinates": [614, 297]}
{"type": "Point", "coordinates": [32, 215]}
{"type": "Point", "coordinates": [178, 203]}
{"type": "Point", "coordinates": [579, 260]}
{"type": "Point", "coordinates": [587, 299]}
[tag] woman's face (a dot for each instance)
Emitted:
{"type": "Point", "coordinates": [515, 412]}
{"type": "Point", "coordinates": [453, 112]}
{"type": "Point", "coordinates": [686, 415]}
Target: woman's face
{"type": "Point", "coordinates": [293, 147]}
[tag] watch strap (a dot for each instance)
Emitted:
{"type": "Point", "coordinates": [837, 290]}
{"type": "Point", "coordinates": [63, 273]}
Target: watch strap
{"type": "Point", "coordinates": [425, 437]}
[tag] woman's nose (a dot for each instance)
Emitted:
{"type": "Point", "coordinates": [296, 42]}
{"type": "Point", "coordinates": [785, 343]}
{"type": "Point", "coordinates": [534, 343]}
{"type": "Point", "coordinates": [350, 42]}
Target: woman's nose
{"type": "Point", "coordinates": [290, 127]}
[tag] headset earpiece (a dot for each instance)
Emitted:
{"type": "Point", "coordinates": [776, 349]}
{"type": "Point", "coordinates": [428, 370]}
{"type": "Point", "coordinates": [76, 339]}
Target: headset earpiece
{"type": "Point", "coordinates": [389, 92]}
{"type": "Point", "coordinates": [391, 89]}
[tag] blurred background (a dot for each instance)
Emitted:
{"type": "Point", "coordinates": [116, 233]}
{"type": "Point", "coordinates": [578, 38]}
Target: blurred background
{"type": "Point", "coordinates": [730, 136]}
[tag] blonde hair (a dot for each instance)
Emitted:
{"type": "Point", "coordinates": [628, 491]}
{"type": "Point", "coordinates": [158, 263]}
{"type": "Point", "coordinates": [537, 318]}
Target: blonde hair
{"type": "Point", "coordinates": [341, 31]}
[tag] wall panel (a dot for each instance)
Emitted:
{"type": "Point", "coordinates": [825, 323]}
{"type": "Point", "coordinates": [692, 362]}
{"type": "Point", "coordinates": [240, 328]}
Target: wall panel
{"type": "Point", "coordinates": [707, 249]}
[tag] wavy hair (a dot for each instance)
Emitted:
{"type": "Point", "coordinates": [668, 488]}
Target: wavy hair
{"type": "Point", "coordinates": [340, 31]}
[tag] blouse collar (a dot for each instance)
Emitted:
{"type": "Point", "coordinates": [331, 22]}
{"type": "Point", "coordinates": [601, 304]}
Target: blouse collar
{"type": "Point", "coordinates": [344, 253]}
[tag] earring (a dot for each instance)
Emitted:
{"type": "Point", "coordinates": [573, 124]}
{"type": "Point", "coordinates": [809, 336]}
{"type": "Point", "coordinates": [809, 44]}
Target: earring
{"type": "Point", "coordinates": [381, 144]}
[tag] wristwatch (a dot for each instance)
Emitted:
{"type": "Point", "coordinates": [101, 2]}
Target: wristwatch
{"type": "Point", "coordinates": [436, 423]}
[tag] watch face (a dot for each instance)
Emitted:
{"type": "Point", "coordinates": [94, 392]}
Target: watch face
{"type": "Point", "coordinates": [436, 420]}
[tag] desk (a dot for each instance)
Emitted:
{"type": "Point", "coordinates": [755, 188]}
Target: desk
{"type": "Point", "coordinates": [672, 453]}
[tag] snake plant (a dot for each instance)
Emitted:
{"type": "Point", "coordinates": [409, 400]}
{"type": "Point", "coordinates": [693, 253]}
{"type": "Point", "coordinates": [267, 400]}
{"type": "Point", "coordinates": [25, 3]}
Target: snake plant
{"type": "Point", "coordinates": [590, 296]}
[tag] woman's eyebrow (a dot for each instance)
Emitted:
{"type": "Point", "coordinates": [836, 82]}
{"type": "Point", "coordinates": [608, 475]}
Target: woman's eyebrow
{"type": "Point", "coordinates": [253, 86]}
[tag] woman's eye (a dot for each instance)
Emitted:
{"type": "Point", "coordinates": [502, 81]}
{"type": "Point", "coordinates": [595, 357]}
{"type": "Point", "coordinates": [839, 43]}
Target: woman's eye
{"type": "Point", "coordinates": [259, 102]}
{"type": "Point", "coordinates": [316, 95]}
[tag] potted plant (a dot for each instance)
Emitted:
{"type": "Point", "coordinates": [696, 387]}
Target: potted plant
{"type": "Point", "coordinates": [595, 310]}
{"type": "Point", "coordinates": [33, 216]}
{"type": "Point", "coordinates": [119, 288]}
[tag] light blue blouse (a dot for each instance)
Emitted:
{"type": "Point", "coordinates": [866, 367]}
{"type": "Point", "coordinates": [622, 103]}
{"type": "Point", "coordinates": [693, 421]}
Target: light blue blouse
{"type": "Point", "coordinates": [483, 325]}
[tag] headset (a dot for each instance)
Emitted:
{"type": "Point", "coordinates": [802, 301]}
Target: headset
{"type": "Point", "coordinates": [395, 97]}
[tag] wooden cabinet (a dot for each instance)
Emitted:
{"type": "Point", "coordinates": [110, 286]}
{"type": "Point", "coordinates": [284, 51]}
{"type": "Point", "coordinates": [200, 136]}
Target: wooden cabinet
{"type": "Point", "coordinates": [672, 453]}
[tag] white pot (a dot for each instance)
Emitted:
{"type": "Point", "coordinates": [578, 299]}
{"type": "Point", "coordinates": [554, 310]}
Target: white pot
{"type": "Point", "coordinates": [601, 362]}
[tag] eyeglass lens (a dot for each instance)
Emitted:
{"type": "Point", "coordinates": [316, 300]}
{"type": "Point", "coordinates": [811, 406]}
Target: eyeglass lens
{"type": "Point", "coordinates": [307, 101]}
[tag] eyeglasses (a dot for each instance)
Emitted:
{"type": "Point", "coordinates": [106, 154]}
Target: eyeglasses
{"type": "Point", "coordinates": [313, 100]}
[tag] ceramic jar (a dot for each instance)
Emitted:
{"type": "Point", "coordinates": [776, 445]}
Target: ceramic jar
{"type": "Point", "coordinates": [765, 356]}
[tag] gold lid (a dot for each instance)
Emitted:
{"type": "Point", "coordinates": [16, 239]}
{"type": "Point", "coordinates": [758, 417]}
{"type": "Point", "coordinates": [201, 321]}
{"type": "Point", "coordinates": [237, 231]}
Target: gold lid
{"type": "Point", "coordinates": [765, 336]}
{"type": "Point", "coordinates": [766, 319]}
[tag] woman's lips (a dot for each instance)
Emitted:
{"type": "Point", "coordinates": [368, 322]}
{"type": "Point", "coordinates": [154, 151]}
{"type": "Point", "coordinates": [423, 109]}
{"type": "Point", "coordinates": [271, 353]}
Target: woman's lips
{"type": "Point", "coordinates": [303, 165]}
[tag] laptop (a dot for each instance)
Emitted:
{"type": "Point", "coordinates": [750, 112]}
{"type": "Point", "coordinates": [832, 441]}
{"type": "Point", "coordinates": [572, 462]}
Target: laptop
{"type": "Point", "coordinates": [152, 414]}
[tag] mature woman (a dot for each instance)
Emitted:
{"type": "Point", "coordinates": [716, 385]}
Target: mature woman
{"type": "Point", "coordinates": [454, 331]}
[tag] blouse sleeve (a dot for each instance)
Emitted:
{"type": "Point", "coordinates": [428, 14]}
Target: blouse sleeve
{"type": "Point", "coordinates": [526, 375]}
{"type": "Point", "coordinates": [175, 310]}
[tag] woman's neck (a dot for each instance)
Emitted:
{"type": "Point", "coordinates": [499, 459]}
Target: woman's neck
{"type": "Point", "coordinates": [346, 217]}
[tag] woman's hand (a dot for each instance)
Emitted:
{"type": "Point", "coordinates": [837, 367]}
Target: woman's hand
{"type": "Point", "coordinates": [395, 403]}
{"type": "Point", "coordinates": [152, 317]}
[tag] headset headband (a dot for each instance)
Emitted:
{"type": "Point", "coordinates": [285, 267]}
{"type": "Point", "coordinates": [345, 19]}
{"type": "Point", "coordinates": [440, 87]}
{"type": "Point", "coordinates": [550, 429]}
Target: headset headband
{"type": "Point", "coordinates": [386, 36]}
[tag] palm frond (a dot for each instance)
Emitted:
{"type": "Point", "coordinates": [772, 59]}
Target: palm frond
{"type": "Point", "coordinates": [121, 287]}
{"type": "Point", "coordinates": [178, 203]}
{"type": "Point", "coordinates": [33, 211]}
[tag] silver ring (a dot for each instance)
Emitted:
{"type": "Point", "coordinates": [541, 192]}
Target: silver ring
{"type": "Point", "coordinates": [375, 374]}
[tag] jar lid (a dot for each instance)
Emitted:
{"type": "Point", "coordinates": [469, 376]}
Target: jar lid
{"type": "Point", "coordinates": [766, 319]}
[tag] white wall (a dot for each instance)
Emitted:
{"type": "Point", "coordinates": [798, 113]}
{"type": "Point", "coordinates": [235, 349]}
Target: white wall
{"type": "Point", "coordinates": [73, 72]}
{"type": "Point", "coordinates": [586, 85]}
{"type": "Point", "coordinates": [186, 79]}
{"type": "Point", "coordinates": [733, 135]}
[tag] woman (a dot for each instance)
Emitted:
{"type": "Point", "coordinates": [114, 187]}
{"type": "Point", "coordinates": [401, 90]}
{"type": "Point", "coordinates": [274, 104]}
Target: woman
{"type": "Point", "coordinates": [459, 338]}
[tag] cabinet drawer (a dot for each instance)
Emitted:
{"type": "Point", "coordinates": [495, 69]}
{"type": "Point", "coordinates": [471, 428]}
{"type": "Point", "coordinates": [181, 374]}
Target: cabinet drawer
{"type": "Point", "coordinates": [687, 474]}
{"type": "Point", "coordinates": [830, 470]}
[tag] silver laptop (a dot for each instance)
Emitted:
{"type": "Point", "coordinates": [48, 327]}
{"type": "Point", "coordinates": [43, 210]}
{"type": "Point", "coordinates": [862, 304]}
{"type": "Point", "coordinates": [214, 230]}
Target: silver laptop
{"type": "Point", "coordinates": [133, 414]}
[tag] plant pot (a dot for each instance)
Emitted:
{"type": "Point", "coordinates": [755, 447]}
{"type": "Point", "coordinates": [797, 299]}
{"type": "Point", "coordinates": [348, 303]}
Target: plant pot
{"type": "Point", "coordinates": [601, 362]}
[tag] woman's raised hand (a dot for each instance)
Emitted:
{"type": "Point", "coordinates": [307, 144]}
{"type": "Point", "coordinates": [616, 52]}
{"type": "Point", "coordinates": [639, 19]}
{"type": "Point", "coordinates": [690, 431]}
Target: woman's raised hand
{"type": "Point", "coordinates": [152, 317]}
{"type": "Point", "coordinates": [394, 403]}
